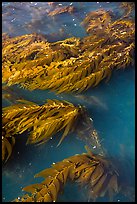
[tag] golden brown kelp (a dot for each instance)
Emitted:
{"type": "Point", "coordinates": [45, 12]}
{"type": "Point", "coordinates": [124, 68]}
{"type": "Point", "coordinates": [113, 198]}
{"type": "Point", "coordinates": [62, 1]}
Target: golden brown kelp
{"type": "Point", "coordinates": [45, 121]}
{"type": "Point", "coordinates": [96, 21]}
{"type": "Point", "coordinates": [96, 67]}
{"type": "Point", "coordinates": [7, 146]}
{"type": "Point", "coordinates": [42, 121]}
{"type": "Point", "coordinates": [90, 170]}
{"type": "Point", "coordinates": [122, 31]}
{"type": "Point", "coordinates": [32, 58]}
{"type": "Point", "coordinates": [101, 23]}
{"type": "Point", "coordinates": [60, 10]}
{"type": "Point", "coordinates": [71, 65]}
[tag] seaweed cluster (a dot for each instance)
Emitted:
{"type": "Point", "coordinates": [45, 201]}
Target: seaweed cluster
{"type": "Point", "coordinates": [43, 122]}
{"type": "Point", "coordinates": [87, 170]}
{"type": "Point", "coordinates": [70, 65]}
{"type": "Point", "coordinates": [73, 64]}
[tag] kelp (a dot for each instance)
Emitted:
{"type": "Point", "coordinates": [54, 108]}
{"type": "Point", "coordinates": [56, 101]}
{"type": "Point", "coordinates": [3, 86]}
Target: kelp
{"type": "Point", "coordinates": [128, 7]}
{"type": "Point", "coordinates": [95, 21]}
{"type": "Point", "coordinates": [42, 121]}
{"type": "Point", "coordinates": [73, 64]}
{"type": "Point", "coordinates": [70, 65]}
{"type": "Point", "coordinates": [95, 172]}
{"type": "Point", "coordinates": [60, 10]}
{"type": "Point", "coordinates": [7, 146]}
{"type": "Point", "coordinates": [45, 121]}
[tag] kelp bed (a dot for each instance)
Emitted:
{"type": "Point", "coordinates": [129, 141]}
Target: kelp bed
{"type": "Point", "coordinates": [70, 65]}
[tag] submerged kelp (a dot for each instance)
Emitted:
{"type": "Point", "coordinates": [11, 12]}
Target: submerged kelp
{"type": "Point", "coordinates": [11, 94]}
{"type": "Point", "coordinates": [69, 65]}
{"type": "Point", "coordinates": [128, 8]}
{"type": "Point", "coordinates": [95, 21]}
{"type": "Point", "coordinates": [7, 146]}
{"type": "Point", "coordinates": [74, 64]}
{"type": "Point", "coordinates": [64, 9]}
{"type": "Point", "coordinates": [95, 172]}
{"type": "Point", "coordinates": [43, 122]}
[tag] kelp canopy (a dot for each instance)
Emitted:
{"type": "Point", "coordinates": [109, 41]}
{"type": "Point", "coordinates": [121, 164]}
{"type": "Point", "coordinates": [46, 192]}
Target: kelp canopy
{"type": "Point", "coordinates": [95, 172]}
{"type": "Point", "coordinates": [73, 64]}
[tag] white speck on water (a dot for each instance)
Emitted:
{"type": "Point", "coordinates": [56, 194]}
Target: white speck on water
{"type": "Point", "coordinates": [118, 200]}
{"type": "Point", "coordinates": [73, 19]}
{"type": "Point", "coordinates": [60, 4]}
{"type": "Point", "coordinates": [97, 2]}
{"type": "Point", "coordinates": [53, 163]}
{"type": "Point", "coordinates": [65, 25]}
{"type": "Point", "coordinates": [91, 119]}
{"type": "Point", "coordinates": [35, 4]}
{"type": "Point", "coordinates": [30, 164]}
{"type": "Point", "coordinates": [70, 4]}
{"type": "Point", "coordinates": [94, 147]}
{"type": "Point", "coordinates": [51, 138]}
{"type": "Point", "coordinates": [51, 145]}
{"type": "Point", "coordinates": [75, 24]}
{"type": "Point", "coordinates": [13, 19]}
{"type": "Point", "coordinates": [18, 198]}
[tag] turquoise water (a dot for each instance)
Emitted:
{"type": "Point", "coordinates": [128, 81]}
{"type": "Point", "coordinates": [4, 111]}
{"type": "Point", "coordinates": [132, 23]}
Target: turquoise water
{"type": "Point", "coordinates": [113, 115]}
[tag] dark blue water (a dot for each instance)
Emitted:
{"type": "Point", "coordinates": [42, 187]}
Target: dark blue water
{"type": "Point", "coordinates": [113, 116]}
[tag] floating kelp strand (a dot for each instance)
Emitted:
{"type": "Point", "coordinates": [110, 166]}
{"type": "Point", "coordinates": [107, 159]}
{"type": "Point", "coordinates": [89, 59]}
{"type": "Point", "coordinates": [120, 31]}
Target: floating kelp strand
{"type": "Point", "coordinates": [43, 121]}
{"type": "Point", "coordinates": [79, 168]}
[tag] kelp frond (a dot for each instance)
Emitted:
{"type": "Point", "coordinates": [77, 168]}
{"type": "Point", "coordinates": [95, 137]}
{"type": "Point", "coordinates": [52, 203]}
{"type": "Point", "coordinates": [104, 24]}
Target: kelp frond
{"type": "Point", "coordinates": [128, 8]}
{"type": "Point", "coordinates": [95, 21]}
{"type": "Point", "coordinates": [7, 146]}
{"type": "Point", "coordinates": [87, 170]}
{"type": "Point", "coordinates": [41, 121]}
{"type": "Point", "coordinates": [64, 9]}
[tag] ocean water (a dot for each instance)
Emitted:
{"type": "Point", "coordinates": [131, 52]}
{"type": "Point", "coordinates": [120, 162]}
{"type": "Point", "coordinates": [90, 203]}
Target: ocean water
{"type": "Point", "coordinates": [113, 113]}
